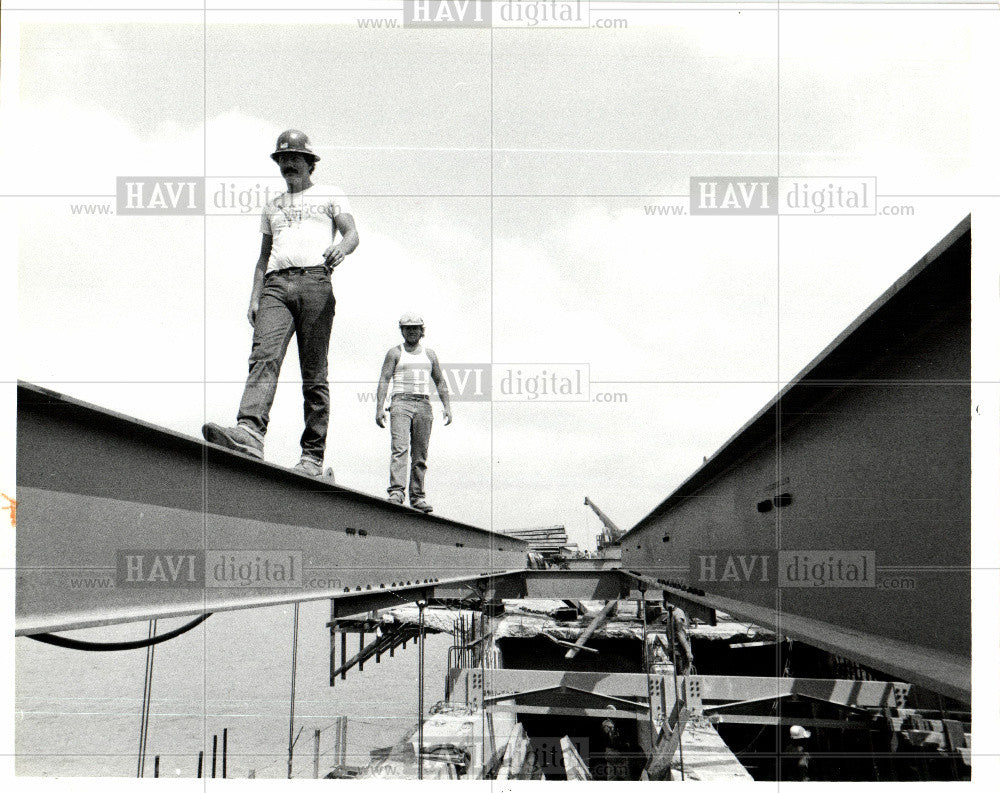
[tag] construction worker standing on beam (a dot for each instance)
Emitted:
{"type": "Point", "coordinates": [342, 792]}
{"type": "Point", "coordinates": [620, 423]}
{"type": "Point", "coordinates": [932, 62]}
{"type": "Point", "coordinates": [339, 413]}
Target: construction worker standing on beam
{"type": "Point", "coordinates": [292, 295]}
{"type": "Point", "coordinates": [410, 367]}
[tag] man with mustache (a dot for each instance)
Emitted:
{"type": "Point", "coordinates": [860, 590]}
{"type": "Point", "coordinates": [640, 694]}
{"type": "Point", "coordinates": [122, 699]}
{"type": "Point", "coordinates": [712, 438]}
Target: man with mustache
{"type": "Point", "coordinates": [292, 295]}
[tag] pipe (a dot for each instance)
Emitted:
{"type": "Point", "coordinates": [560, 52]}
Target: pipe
{"type": "Point", "coordinates": [421, 605]}
{"type": "Point", "coordinates": [291, 711]}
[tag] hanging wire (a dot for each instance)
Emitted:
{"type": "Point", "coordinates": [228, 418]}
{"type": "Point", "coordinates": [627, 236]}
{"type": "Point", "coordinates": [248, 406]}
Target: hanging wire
{"type": "Point", "coordinates": [421, 605]}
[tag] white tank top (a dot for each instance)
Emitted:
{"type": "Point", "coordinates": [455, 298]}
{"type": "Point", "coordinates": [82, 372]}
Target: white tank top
{"type": "Point", "coordinates": [413, 373]}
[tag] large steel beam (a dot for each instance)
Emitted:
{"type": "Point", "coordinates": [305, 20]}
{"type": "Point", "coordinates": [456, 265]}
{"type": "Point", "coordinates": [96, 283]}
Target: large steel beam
{"type": "Point", "coordinates": [589, 713]}
{"type": "Point", "coordinates": [120, 520]}
{"type": "Point", "coordinates": [788, 721]}
{"type": "Point", "coordinates": [576, 584]}
{"type": "Point", "coordinates": [657, 590]}
{"type": "Point", "coordinates": [602, 563]}
{"type": "Point", "coordinates": [863, 461]}
{"type": "Point", "coordinates": [503, 586]}
{"type": "Point", "coordinates": [714, 691]}
{"type": "Point", "coordinates": [945, 673]}
{"type": "Point", "coordinates": [939, 671]}
{"type": "Point", "coordinates": [507, 682]}
{"type": "Point", "coordinates": [847, 693]}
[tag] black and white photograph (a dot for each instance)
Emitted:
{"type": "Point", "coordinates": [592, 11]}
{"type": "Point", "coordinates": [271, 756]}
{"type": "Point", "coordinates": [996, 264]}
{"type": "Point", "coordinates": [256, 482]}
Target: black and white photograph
{"type": "Point", "coordinates": [511, 391]}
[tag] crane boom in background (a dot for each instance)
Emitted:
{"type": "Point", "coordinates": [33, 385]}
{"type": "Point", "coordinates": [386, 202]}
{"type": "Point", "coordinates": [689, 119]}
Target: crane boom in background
{"type": "Point", "coordinates": [611, 533]}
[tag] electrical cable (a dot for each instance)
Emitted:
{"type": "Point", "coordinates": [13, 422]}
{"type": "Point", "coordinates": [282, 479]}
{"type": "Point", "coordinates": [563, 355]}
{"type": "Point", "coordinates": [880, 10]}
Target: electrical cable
{"type": "Point", "coordinates": [97, 647]}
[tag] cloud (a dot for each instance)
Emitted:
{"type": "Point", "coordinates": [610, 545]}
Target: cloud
{"type": "Point", "coordinates": [637, 297]}
{"type": "Point", "coordinates": [137, 314]}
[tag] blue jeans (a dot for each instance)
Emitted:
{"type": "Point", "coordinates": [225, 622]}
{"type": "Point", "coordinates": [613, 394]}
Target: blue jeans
{"type": "Point", "coordinates": [410, 423]}
{"type": "Point", "coordinates": [299, 303]}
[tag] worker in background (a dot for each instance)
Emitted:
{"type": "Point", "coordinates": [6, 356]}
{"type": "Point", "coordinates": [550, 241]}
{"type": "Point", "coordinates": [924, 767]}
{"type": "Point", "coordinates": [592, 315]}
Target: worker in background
{"type": "Point", "coordinates": [410, 367]}
{"type": "Point", "coordinates": [615, 755]}
{"type": "Point", "coordinates": [615, 763]}
{"type": "Point", "coordinates": [292, 295]}
{"type": "Point", "coordinates": [795, 759]}
{"type": "Point", "coordinates": [678, 630]}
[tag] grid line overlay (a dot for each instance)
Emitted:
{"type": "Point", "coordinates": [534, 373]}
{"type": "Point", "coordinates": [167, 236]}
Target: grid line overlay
{"type": "Point", "coordinates": [815, 6]}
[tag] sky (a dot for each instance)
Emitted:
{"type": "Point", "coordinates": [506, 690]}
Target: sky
{"type": "Point", "coordinates": [507, 184]}
{"type": "Point", "coordinates": [502, 182]}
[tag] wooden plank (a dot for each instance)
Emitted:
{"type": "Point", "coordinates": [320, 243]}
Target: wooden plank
{"type": "Point", "coordinates": [576, 769]}
{"type": "Point", "coordinates": [515, 756]}
{"type": "Point", "coordinates": [562, 642]}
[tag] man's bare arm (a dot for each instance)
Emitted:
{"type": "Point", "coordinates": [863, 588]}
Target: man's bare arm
{"type": "Point", "coordinates": [388, 370]}
{"type": "Point", "coordinates": [442, 385]}
{"type": "Point", "coordinates": [335, 254]}
{"type": "Point", "coordinates": [258, 277]}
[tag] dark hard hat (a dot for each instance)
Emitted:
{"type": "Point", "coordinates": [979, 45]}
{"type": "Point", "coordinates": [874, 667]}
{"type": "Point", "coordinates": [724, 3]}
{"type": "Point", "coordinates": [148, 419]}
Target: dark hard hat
{"type": "Point", "coordinates": [293, 140]}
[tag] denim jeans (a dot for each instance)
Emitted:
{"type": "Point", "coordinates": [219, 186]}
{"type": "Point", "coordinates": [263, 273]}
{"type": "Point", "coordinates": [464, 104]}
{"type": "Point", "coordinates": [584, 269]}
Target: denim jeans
{"type": "Point", "coordinates": [300, 304]}
{"type": "Point", "coordinates": [410, 423]}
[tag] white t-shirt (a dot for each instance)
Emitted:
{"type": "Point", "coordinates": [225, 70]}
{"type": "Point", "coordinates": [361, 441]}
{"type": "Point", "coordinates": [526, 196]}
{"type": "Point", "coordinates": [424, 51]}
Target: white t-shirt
{"type": "Point", "coordinates": [301, 225]}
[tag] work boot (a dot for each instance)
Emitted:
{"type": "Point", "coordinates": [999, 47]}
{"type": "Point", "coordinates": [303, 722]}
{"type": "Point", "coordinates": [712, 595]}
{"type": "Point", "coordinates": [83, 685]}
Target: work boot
{"type": "Point", "coordinates": [395, 497]}
{"type": "Point", "coordinates": [422, 505]}
{"type": "Point", "coordinates": [237, 438]}
{"type": "Point", "coordinates": [310, 466]}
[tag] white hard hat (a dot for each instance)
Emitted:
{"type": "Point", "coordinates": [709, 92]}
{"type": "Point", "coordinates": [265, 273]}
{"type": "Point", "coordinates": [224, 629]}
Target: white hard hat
{"type": "Point", "coordinates": [411, 318]}
{"type": "Point", "coordinates": [798, 733]}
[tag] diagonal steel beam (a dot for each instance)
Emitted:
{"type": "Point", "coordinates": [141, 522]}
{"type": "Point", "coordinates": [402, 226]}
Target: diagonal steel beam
{"type": "Point", "coordinates": [658, 766]}
{"type": "Point", "coordinates": [595, 625]}
{"type": "Point", "coordinates": [120, 520]}
{"type": "Point", "coordinates": [856, 694]}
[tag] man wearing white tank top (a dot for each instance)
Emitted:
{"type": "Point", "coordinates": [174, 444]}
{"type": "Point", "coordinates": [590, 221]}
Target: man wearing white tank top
{"type": "Point", "coordinates": [411, 368]}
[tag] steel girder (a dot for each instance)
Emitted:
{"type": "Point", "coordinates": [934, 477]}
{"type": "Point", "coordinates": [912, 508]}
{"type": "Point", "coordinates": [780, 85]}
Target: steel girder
{"type": "Point", "coordinates": [861, 464]}
{"type": "Point", "coordinates": [120, 520]}
{"type": "Point", "coordinates": [702, 694]}
{"type": "Point", "coordinates": [935, 670]}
